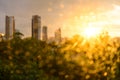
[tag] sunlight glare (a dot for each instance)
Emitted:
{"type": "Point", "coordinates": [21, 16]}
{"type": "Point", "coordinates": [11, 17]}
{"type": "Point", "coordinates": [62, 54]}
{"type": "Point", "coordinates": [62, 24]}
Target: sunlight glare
{"type": "Point", "coordinates": [91, 32]}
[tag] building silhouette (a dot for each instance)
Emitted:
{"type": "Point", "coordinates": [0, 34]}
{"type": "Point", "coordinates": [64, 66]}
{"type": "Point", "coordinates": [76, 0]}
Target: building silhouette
{"type": "Point", "coordinates": [58, 35]}
{"type": "Point", "coordinates": [36, 27]}
{"type": "Point", "coordinates": [10, 27]}
{"type": "Point", "coordinates": [44, 33]}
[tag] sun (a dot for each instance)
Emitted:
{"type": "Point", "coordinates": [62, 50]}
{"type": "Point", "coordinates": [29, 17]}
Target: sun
{"type": "Point", "coordinates": [91, 32]}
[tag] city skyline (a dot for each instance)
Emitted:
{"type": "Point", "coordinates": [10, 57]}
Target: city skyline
{"type": "Point", "coordinates": [38, 32]}
{"type": "Point", "coordinates": [70, 15]}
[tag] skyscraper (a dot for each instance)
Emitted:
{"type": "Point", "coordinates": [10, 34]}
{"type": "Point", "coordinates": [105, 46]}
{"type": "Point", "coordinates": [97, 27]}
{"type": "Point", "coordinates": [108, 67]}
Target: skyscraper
{"type": "Point", "coordinates": [58, 35]}
{"type": "Point", "coordinates": [44, 33]}
{"type": "Point", "coordinates": [36, 27]}
{"type": "Point", "coordinates": [10, 27]}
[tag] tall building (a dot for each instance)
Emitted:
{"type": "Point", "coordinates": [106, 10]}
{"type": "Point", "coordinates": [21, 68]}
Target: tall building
{"type": "Point", "coordinates": [44, 33]}
{"type": "Point", "coordinates": [36, 27]}
{"type": "Point", "coordinates": [10, 27]}
{"type": "Point", "coordinates": [58, 35]}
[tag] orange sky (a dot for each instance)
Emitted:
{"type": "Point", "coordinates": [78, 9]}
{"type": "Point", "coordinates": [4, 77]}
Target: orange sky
{"type": "Point", "coordinates": [70, 15]}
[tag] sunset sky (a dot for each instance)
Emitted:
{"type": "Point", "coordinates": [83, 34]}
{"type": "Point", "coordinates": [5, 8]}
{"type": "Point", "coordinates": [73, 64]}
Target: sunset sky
{"type": "Point", "coordinates": [72, 16]}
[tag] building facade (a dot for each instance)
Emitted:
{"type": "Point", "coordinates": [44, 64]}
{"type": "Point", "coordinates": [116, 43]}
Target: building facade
{"type": "Point", "coordinates": [36, 27]}
{"type": "Point", "coordinates": [10, 27]}
{"type": "Point", "coordinates": [58, 35]}
{"type": "Point", "coordinates": [44, 33]}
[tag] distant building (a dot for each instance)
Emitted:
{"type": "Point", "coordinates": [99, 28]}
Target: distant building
{"type": "Point", "coordinates": [10, 27]}
{"type": "Point", "coordinates": [36, 27]}
{"type": "Point", "coordinates": [58, 35]}
{"type": "Point", "coordinates": [44, 33]}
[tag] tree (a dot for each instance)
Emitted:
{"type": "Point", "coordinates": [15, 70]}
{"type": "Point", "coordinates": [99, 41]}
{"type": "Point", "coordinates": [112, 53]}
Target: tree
{"type": "Point", "coordinates": [17, 35]}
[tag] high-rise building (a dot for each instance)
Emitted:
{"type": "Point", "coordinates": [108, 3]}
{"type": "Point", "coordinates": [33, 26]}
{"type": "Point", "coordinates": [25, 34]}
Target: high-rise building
{"type": "Point", "coordinates": [44, 33]}
{"type": "Point", "coordinates": [36, 27]}
{"type": "Point", "coordinates": [10, 27]}
{"type": "Point", "coordinates": [58, 35]}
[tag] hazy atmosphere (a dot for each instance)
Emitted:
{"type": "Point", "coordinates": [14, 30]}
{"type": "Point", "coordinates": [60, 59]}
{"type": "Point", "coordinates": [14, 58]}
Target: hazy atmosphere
{"type": "Point", "coordinates": [69, 15]}
{"type": "Point", "coordinates": [59, 39]}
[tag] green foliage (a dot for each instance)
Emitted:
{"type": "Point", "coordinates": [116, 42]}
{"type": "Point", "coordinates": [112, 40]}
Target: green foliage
{"type": "Point", "coordinates": [75, 59]}
{"type": "Point", "coordinates": [18, 35]}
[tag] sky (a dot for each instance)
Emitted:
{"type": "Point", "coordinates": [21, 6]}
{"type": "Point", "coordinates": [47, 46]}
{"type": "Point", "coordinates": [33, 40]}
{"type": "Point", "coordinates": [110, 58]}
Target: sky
{"type": "Point", "coordinates": [69, 15]}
